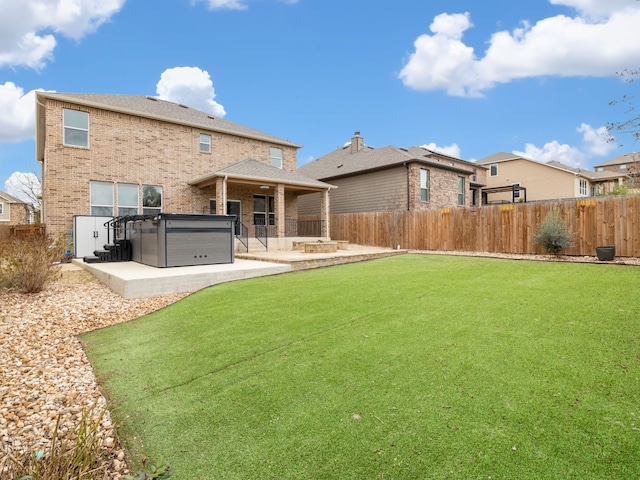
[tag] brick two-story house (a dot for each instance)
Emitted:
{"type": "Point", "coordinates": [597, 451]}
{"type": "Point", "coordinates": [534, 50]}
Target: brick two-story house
{"type": "Point", "coordinates": [627, 164]}
{"type": "Point", "coordinates": [392, 178]}
{"type": "Point", "coordinates": [114, 155]}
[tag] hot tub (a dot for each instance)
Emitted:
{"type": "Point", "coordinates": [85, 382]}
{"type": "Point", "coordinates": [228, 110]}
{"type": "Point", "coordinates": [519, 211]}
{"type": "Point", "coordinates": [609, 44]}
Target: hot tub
{"type": "Point", "coordinates": [178, 240]}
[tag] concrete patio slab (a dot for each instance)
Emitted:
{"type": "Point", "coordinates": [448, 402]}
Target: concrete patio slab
{"type": "Point", "coordinates": [135, 280]}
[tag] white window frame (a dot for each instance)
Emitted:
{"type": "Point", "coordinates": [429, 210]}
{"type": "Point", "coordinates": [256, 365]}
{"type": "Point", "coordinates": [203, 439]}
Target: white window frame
{"type": "Point", "coordinates": [276, 156]}
{"type": "Point", "coordinates": [131, 209]}
{"type": "Point", "coordinates": [424, 185]}
{"type": "Point", "coordinates": [205, 143]}
{"type": "Point", "coordinates": [151, 209]}
{"type": "Point", "coordinates": [93, 204]}
{"type": "Point", "coordinates": [583, 186]}
{"type": "Point", "coordinates": [623, 167]}
{"type": "Point", "coordinates": [491, 169]}
{"type": "Point", "coordinates": [68, 128]}
{"type": "Point", "coordinates": [269, 206]}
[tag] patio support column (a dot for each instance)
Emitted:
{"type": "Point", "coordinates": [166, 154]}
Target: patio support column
{"type": "Point", "coordinates": [221, 195]}
{"type": "Point", "coordinates": [280, 210]}
{"type": "Point", "coordinates": [324, 214]}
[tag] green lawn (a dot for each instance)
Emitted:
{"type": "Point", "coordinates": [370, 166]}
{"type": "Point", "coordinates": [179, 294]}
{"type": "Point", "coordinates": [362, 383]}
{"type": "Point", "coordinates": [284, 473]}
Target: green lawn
{"type": "Point", "coordinates": [411, 367]}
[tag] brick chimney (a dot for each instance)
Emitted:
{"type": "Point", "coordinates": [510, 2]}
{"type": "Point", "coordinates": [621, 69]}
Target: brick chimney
{"type": "Point", "coordinates": [357, 142]}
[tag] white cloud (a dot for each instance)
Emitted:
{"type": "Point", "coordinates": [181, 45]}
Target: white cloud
{"type": "Point", "coordinates": [554, 150]}
{"type": "Point", "coordinates": [224, 4]}
{"type": "Point", "coordinates": [593, 9]}
{"type": "Point", "coordinates": [189, 86]}
{"type": "Point", "coordinates": [24, 186]}
{"type": "Point", "coordinates": [599, 40]}
{"type": "Point", "coordinates": [17, 113]}
{"type": "Point", "coordinates": [452, 150]}
{"type": "Point", "coordinates": [28, 28]}
{"type": "Point", "coordinates": [233, 4]}
{"type": "Point", "coordinates": [595, 143]}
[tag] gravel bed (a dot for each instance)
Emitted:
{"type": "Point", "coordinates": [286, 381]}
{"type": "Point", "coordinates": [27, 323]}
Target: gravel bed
{"type": "Point", "coordinates": [44, 372]}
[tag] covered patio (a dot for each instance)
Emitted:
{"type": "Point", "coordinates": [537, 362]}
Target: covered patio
{"type": "Point", "coordinates": [265, 200]}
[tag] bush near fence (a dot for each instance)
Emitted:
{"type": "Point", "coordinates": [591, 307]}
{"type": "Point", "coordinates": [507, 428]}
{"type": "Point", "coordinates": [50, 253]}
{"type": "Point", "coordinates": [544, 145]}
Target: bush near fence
{"type": "Point", "coordinates": [505, 228]}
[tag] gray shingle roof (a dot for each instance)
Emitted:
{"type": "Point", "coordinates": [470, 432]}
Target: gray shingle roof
{"type": "Point", "coordinates": [499, 157]}
{"type": "Point", "coordinates": [585, 173]}
{"type": "Point", "coordinates": [153, 107]}
{"type": "Point", "coordinates": [9, 198]}
{"type": "Point", "coordinates": [341, 162]}
{"type": "Point", "coordinates": [621, 160]}
{"type": "Point", "coordinates": [250, 169]}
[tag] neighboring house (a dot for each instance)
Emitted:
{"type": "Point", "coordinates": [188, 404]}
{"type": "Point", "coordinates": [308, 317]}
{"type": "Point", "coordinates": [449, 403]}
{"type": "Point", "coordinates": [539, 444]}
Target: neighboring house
{"type": "Point", "coordinates": [514, 178]}
{"type": "Point", "coordinates": [115, 155]}
{"type": "Point", "coordinates": [390, 178]}
{"type": "Point", "coordinates": [628, 164]}
{"type": "Point", "coordinates": [14, 211]}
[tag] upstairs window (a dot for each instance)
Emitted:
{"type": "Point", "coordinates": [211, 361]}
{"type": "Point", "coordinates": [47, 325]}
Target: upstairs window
{"type": "Point", "coordinates": [493, 170]}
{"type": "Point", "coordinates": [623, 167]}
{"type": "Point", "coordinates": [461, 191]}
{"type": "Point", "coordinates": [101, 198]}
{"type": "Point", "coordinates": [76, 128]}
{"type": "Point", "coordinates": [1, 208]}
{"type": "Point", "coordinates": [275, 157]}
{"type": "Point", "coordinates": [205, 143]}
{"type": "Point", "coordinates": [151, 199]}
{"type": "Point", "coordinates": [424, 185]}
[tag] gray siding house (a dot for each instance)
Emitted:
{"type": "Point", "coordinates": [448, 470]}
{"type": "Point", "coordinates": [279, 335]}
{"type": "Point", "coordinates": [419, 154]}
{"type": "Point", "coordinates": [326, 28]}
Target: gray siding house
{"type": "Point", "coordinates": [391, 178]}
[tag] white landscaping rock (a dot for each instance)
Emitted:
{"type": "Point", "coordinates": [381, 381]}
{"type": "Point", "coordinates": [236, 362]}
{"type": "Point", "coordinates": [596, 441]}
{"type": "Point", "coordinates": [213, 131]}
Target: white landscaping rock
{"type": "Point", "coordinates": [44, 371]}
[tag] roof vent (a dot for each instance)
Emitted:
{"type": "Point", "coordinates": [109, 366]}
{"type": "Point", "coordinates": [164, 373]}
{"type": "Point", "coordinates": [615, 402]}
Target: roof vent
{"type": "Point", "coordinates": [341, 165]}
{"type": "Point", "coordinates": [211, 117]}
{"type": "Point", "coordinates": [404, 149]}
{"type": "Point", "coordinates": [183, 106]}
{"type": "Point", "coordinates": [152, 98]}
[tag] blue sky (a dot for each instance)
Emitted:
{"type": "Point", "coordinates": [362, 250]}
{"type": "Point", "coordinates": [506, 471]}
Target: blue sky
{"type": "Point", "coordinates": [465, 77]}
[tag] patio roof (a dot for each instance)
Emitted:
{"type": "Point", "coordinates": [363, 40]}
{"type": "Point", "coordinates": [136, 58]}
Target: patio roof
{"type": "Point", "coordinates": [252, 172]}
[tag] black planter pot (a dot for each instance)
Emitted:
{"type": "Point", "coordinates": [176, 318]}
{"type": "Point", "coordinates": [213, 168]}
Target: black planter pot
{"type": "Point", "coordinates": [605, 254]}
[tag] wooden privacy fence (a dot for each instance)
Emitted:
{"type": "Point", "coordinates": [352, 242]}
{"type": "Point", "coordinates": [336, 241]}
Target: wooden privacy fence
{"type": "Point", "coordinates": [21, 231]}
{"type": "Point", "coordinates": [505, 228]}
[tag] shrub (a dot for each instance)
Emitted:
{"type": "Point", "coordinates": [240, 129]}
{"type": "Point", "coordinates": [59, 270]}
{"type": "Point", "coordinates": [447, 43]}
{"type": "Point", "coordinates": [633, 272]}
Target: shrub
{"type": "Point", "coordinates": [78, 454]}
{"type": "Point", "coordinates": [28, 264]}
{"type": "Point", "coordinates": [553, 234]}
